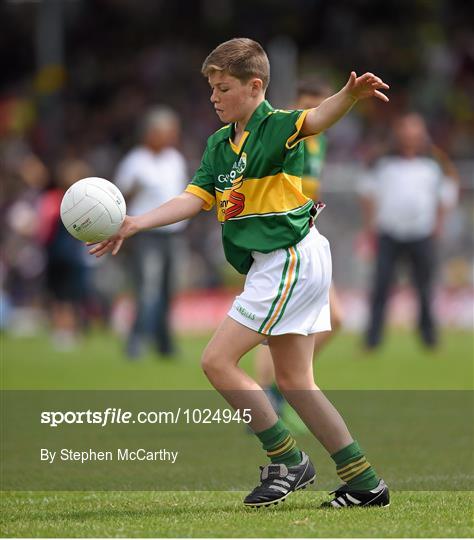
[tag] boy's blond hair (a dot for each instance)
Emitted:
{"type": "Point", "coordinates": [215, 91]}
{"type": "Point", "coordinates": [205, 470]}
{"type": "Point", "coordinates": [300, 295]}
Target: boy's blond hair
{"type": "Point", "coordinates": [243, 58]}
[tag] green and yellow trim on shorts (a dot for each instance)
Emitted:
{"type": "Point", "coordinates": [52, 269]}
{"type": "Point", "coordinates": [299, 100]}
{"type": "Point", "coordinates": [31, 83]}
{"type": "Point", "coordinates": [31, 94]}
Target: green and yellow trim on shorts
{"type": "Point", "coordinates": [285, 290]}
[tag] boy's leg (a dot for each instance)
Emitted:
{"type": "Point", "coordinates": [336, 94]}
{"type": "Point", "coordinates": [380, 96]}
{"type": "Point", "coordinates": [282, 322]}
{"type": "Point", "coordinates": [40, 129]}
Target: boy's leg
{"type": "Point", "coordinates": [292, 469]}
{"type": "Point", "coordinates": [220, 364]}
{"type": "Point", "coordinates": [292, 356]}
{"type": "Point", "coordinates": [264, 372]}
{"type": "Point", "coordinates": [265, 375]}
{"type": "Point", "coordinates": [293, 360]}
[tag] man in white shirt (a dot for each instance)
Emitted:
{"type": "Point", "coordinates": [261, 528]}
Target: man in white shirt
{"type": "Point", "coordinates": [150, 175]}
{"type": "Point", "coordinates": [403, 199]}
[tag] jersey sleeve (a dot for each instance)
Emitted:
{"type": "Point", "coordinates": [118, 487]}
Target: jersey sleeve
{"type": "Point", "coordinates": [202, 183]}
{"type": "Point", "coordinates": [286, 126]}
{"type": "Point", "coordinates": [296, 136]}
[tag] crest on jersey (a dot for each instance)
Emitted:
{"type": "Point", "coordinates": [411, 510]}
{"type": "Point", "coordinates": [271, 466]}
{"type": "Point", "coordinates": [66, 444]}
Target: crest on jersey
{"type": "Point", "coordinates": [241, 164]}
{"type": "Point", "coordinates": [237, 171]}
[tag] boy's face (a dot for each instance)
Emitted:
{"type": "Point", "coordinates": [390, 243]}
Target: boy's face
{"type": "Point", "coordinates": [233, 99]}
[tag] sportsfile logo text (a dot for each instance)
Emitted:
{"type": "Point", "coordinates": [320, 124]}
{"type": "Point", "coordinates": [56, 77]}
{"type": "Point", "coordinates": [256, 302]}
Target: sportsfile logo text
{"type": "Point", "coordinates": [113, 415]}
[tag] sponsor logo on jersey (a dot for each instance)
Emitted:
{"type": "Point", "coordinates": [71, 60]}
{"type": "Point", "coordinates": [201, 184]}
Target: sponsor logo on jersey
{"type": "Point", "coordinates": [237, 170]}
{"type": "Point", "coordinates": [233, 202]}
{"type": "Point", "coordinates": [236, 204]}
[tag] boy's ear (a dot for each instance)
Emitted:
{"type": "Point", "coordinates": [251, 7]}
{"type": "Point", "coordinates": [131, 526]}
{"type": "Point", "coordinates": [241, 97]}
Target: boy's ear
{"type": "Point", "coordinates": [256, 86]}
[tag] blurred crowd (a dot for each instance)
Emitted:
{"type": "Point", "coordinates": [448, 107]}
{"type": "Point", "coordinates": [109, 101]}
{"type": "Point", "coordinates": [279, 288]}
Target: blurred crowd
{"type": "Point", "coordinates": [118, 58]}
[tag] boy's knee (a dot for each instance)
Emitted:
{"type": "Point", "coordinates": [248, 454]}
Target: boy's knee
{"type": "Point", "coordinates": [211, 363]}
{"type": "Point", "coordinates": [287, 382]}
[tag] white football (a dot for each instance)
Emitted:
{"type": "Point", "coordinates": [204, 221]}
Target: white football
{"type": "Point", "coordinates": [93, 209]}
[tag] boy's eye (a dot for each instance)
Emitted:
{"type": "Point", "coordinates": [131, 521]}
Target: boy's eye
{"type": "Point", "coordinates": [223, 90]}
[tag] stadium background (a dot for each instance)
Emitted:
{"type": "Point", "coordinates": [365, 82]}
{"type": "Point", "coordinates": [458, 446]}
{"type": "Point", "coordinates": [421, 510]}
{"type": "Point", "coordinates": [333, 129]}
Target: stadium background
{"type": "Point", "coordinates": [76, 76]}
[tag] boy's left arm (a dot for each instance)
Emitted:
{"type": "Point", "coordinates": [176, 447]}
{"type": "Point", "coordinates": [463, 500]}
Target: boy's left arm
{"type": "Point", "coordinates": [336, 106]}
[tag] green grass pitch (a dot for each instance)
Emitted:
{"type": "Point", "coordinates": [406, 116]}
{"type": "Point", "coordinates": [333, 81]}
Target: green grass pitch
{"type": "Point", "coordinates": [98, 364]}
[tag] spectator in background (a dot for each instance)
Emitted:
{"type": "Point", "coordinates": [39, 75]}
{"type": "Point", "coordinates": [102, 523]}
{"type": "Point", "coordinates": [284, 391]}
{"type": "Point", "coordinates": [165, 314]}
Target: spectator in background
{"type": "Point", "coordinates": [150, 175]}
{"type": "Point", "coordinates": [404, 198]}
{"type": "Point", "coordinates": [66, 269]}
{"type": "Point", "coordinates": [24, 177]}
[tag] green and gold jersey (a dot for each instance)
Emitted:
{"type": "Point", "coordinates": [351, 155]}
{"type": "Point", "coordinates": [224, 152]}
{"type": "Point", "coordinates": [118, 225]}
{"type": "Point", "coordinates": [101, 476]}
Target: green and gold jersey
{"type": "Point", "coordinates": [314, 156]}
{"type": "Point", "coordinates": [256, 185]}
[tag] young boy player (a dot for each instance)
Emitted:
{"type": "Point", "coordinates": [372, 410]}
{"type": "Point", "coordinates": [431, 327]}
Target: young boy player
{"type": "Point", "coordinates": [251, 169]}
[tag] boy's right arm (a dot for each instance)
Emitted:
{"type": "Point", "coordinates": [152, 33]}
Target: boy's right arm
{"type": "Point", "coordinates": [335, 107]}
{"type": "Point", "coordinates": [179, 208]}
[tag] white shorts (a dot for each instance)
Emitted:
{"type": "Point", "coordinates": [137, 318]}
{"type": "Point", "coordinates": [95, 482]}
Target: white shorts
{"type": "Point", "coordinates": [287, 290]}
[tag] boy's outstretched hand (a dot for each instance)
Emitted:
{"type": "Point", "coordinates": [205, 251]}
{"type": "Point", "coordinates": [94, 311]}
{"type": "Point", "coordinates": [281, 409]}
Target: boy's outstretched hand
{"type": "Point", "coordinates": [113, 244]}
{"type": "Point", "coordinates": [367, 85]}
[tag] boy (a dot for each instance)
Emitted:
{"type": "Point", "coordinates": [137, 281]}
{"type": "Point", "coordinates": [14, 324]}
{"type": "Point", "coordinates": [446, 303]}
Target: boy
{"type": "Point", "coordinates": [252, 169]}
{"type": "Point", "coordinates": [311, 92]}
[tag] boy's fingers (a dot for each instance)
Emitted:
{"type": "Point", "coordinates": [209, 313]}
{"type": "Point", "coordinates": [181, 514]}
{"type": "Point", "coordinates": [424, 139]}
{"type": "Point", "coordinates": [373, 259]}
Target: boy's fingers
{"type": "Point", "coordinates": [118, 245]}
{"type": "Point", "coordinates": [373, 80]}
{"type": "Point", "coordinates": [112, 244]}
{"type": "Point", "coordinates": [381, 96]}
{"type": "Point", "coordinates": [102, 251]}
{"type": "Point", "coordinates": [95, 248]}
{"type": "Point", "coordinates": [99, 247]}
{"type": "Point", "coordinates": [380, 83]}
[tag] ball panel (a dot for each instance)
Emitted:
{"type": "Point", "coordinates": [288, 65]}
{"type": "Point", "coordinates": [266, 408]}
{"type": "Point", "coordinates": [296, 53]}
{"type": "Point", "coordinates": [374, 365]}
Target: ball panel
{"type": "Point", "coordinates": [109, 198]}
{"type": "Point", "coordinates": [93, 209]}
{"type": "Point", "coordinates": [77, 211]}
{"type": "Point", "coordinates": [84, 227]}
{"type": "Point", "coordinates": [103, 228]}
{"type": "Point", "coordinates": [78, 191]}
{"type": "Point", "coordinates": [68, 201]}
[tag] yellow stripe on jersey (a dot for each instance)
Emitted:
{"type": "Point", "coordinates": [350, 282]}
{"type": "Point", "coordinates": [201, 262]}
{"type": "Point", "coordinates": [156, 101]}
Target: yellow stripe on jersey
{"type": "Point", "coordinates": [208, 199]}
{"type": "Point", "coordinates": [289, 280]}
{"type": "Point", "coordinates": [296, 138]}
{"type": "Point", "coordinates": [272, 194]}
